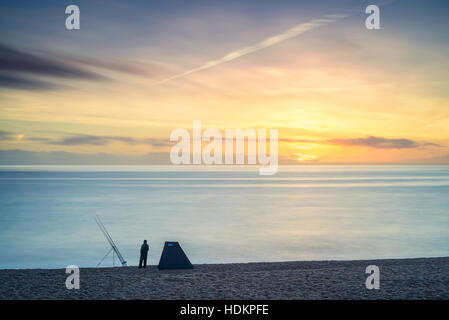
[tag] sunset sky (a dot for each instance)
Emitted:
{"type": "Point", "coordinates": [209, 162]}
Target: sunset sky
{"type": "Point", "coordinates": [136, 70]}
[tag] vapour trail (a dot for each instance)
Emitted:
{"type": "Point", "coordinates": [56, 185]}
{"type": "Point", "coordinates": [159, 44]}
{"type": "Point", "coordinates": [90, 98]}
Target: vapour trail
{"type": "Point", "coordinates": [268, 42]}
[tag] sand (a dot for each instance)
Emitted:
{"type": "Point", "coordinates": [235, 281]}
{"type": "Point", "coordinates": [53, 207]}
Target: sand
{"type": "Point", "coordinates": [423, 278]}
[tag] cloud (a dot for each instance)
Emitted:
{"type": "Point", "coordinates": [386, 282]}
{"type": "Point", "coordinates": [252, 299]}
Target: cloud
{"type": "Point", "coordinates": [91, 140]}
{"type": "Point", "coordinates": [151, 68]}
{"type": "Point", "coordinates": [5, 136]}
{"type": "Point", "coordinates": [268, 42]}
{"type": "Point", "coordinates": [383, 143]}
{"type": "Point", "coordinates": [371, 142]}
{"type": "Point", "coordinates": [9, 136]}
{"type": "Point", "coordinates": [38, 139]}
{"type": "Point", "coordinates": [104, 140]}
{"type": "Point", "coordinates": [13, 82]}
{"type": "Point", "coordinates": [21, 70]}
{"type": "Point", "coordinates": [157, 142]}
{"type": "Point", "coordinates": [84, 139]}
{"type": "Point", "coordinates": [22, 157]}
{"type": "Point", "coordinates": [12, 60]}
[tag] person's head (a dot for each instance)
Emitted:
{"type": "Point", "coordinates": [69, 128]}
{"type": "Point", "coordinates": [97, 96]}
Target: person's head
{"type": "Point", "coordinates": [144, 241]}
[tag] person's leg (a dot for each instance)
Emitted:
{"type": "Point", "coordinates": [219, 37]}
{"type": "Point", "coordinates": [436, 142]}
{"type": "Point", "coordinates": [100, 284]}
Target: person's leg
{"type": "Point", "coordinates": [140, 261]}
{"type": "Point", "coordinates": [145, 261]}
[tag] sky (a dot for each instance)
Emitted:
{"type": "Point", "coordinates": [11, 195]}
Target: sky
{"type": "Point", "coordinates": [113, 91]}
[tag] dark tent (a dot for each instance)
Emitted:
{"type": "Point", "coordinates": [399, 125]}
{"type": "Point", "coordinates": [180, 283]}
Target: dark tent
{"type": "Point", "coordinates": [173, 257]}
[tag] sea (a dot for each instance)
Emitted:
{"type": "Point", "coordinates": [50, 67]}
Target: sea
{"type": "Point", "coordinates": [221, 214]}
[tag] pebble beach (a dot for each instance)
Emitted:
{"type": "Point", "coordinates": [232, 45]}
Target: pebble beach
{"type": "Point", "coordinates": [420, 278]}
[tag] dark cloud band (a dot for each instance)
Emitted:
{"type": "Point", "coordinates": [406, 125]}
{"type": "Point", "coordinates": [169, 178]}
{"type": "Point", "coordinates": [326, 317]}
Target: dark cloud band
{"type": "Point", "coordinates": [371, 142]}
{"type": "Point", "coordinates": [12, 60]}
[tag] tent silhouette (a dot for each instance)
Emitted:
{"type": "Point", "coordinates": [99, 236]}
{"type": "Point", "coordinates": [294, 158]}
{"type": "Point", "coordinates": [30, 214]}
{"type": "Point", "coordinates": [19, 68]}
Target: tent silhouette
{"type": "Point", "coordinates": [173, 257]}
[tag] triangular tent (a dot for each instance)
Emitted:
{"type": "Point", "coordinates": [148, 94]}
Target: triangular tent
{"type": "Point", "coordinates": [173, 257]}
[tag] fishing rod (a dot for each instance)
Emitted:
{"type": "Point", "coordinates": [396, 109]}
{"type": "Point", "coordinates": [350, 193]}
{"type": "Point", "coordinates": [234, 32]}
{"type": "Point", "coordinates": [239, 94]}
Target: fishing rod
{"type": "Point", "coordinates": [108, 237]}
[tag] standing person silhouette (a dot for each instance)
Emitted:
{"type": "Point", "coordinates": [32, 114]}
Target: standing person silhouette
{"type": "Point", "coordinates": [143, 254]}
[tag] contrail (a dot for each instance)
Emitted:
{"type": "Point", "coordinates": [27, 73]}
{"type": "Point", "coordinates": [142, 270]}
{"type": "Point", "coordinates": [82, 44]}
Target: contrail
{"type": "Point", "coordinates": [288, 34]}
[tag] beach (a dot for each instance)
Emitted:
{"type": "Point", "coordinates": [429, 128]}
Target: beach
{"type": "Point", "coordinates": [419, 278]}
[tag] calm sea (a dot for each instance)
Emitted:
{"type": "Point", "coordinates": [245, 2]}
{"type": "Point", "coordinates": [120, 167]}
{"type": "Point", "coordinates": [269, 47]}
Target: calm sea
{"type": "Point", "coordinates": [47, 216]}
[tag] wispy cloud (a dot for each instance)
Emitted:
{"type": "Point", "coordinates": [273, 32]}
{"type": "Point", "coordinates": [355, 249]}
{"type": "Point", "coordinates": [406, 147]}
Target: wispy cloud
{"type": "Point", "coordinates": [371, 142]}
{"type": "Point", "coordinates": [91, 140]}
{"type": "Point", "coordinates": [12, 60]}
{"type": "Point", "coordinates": [5, 136]}
{"type": "Point", "coordinates": [21, 70]}
{"type": "Point", "coordinates": [268, 42]}
{"type": "Point", "coordinates": [84, 139]}
{"type": "Point", "coordinates": [98, 140]}
{"type": "Point", "coordinates": [22, 157]}
{"type": "Point", "coordinates": [383, 143]}
{"type": "Point", "coordinates": [14, 82]}
{"type": "Point", "coordinates": [104, 140]}
{"type": "Point", "coordinates": [147, 68]}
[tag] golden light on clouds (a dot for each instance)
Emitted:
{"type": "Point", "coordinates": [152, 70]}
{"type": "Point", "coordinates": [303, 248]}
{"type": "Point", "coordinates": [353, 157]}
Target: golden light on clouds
{"type": "Point", "coordinates": [317, 84]}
